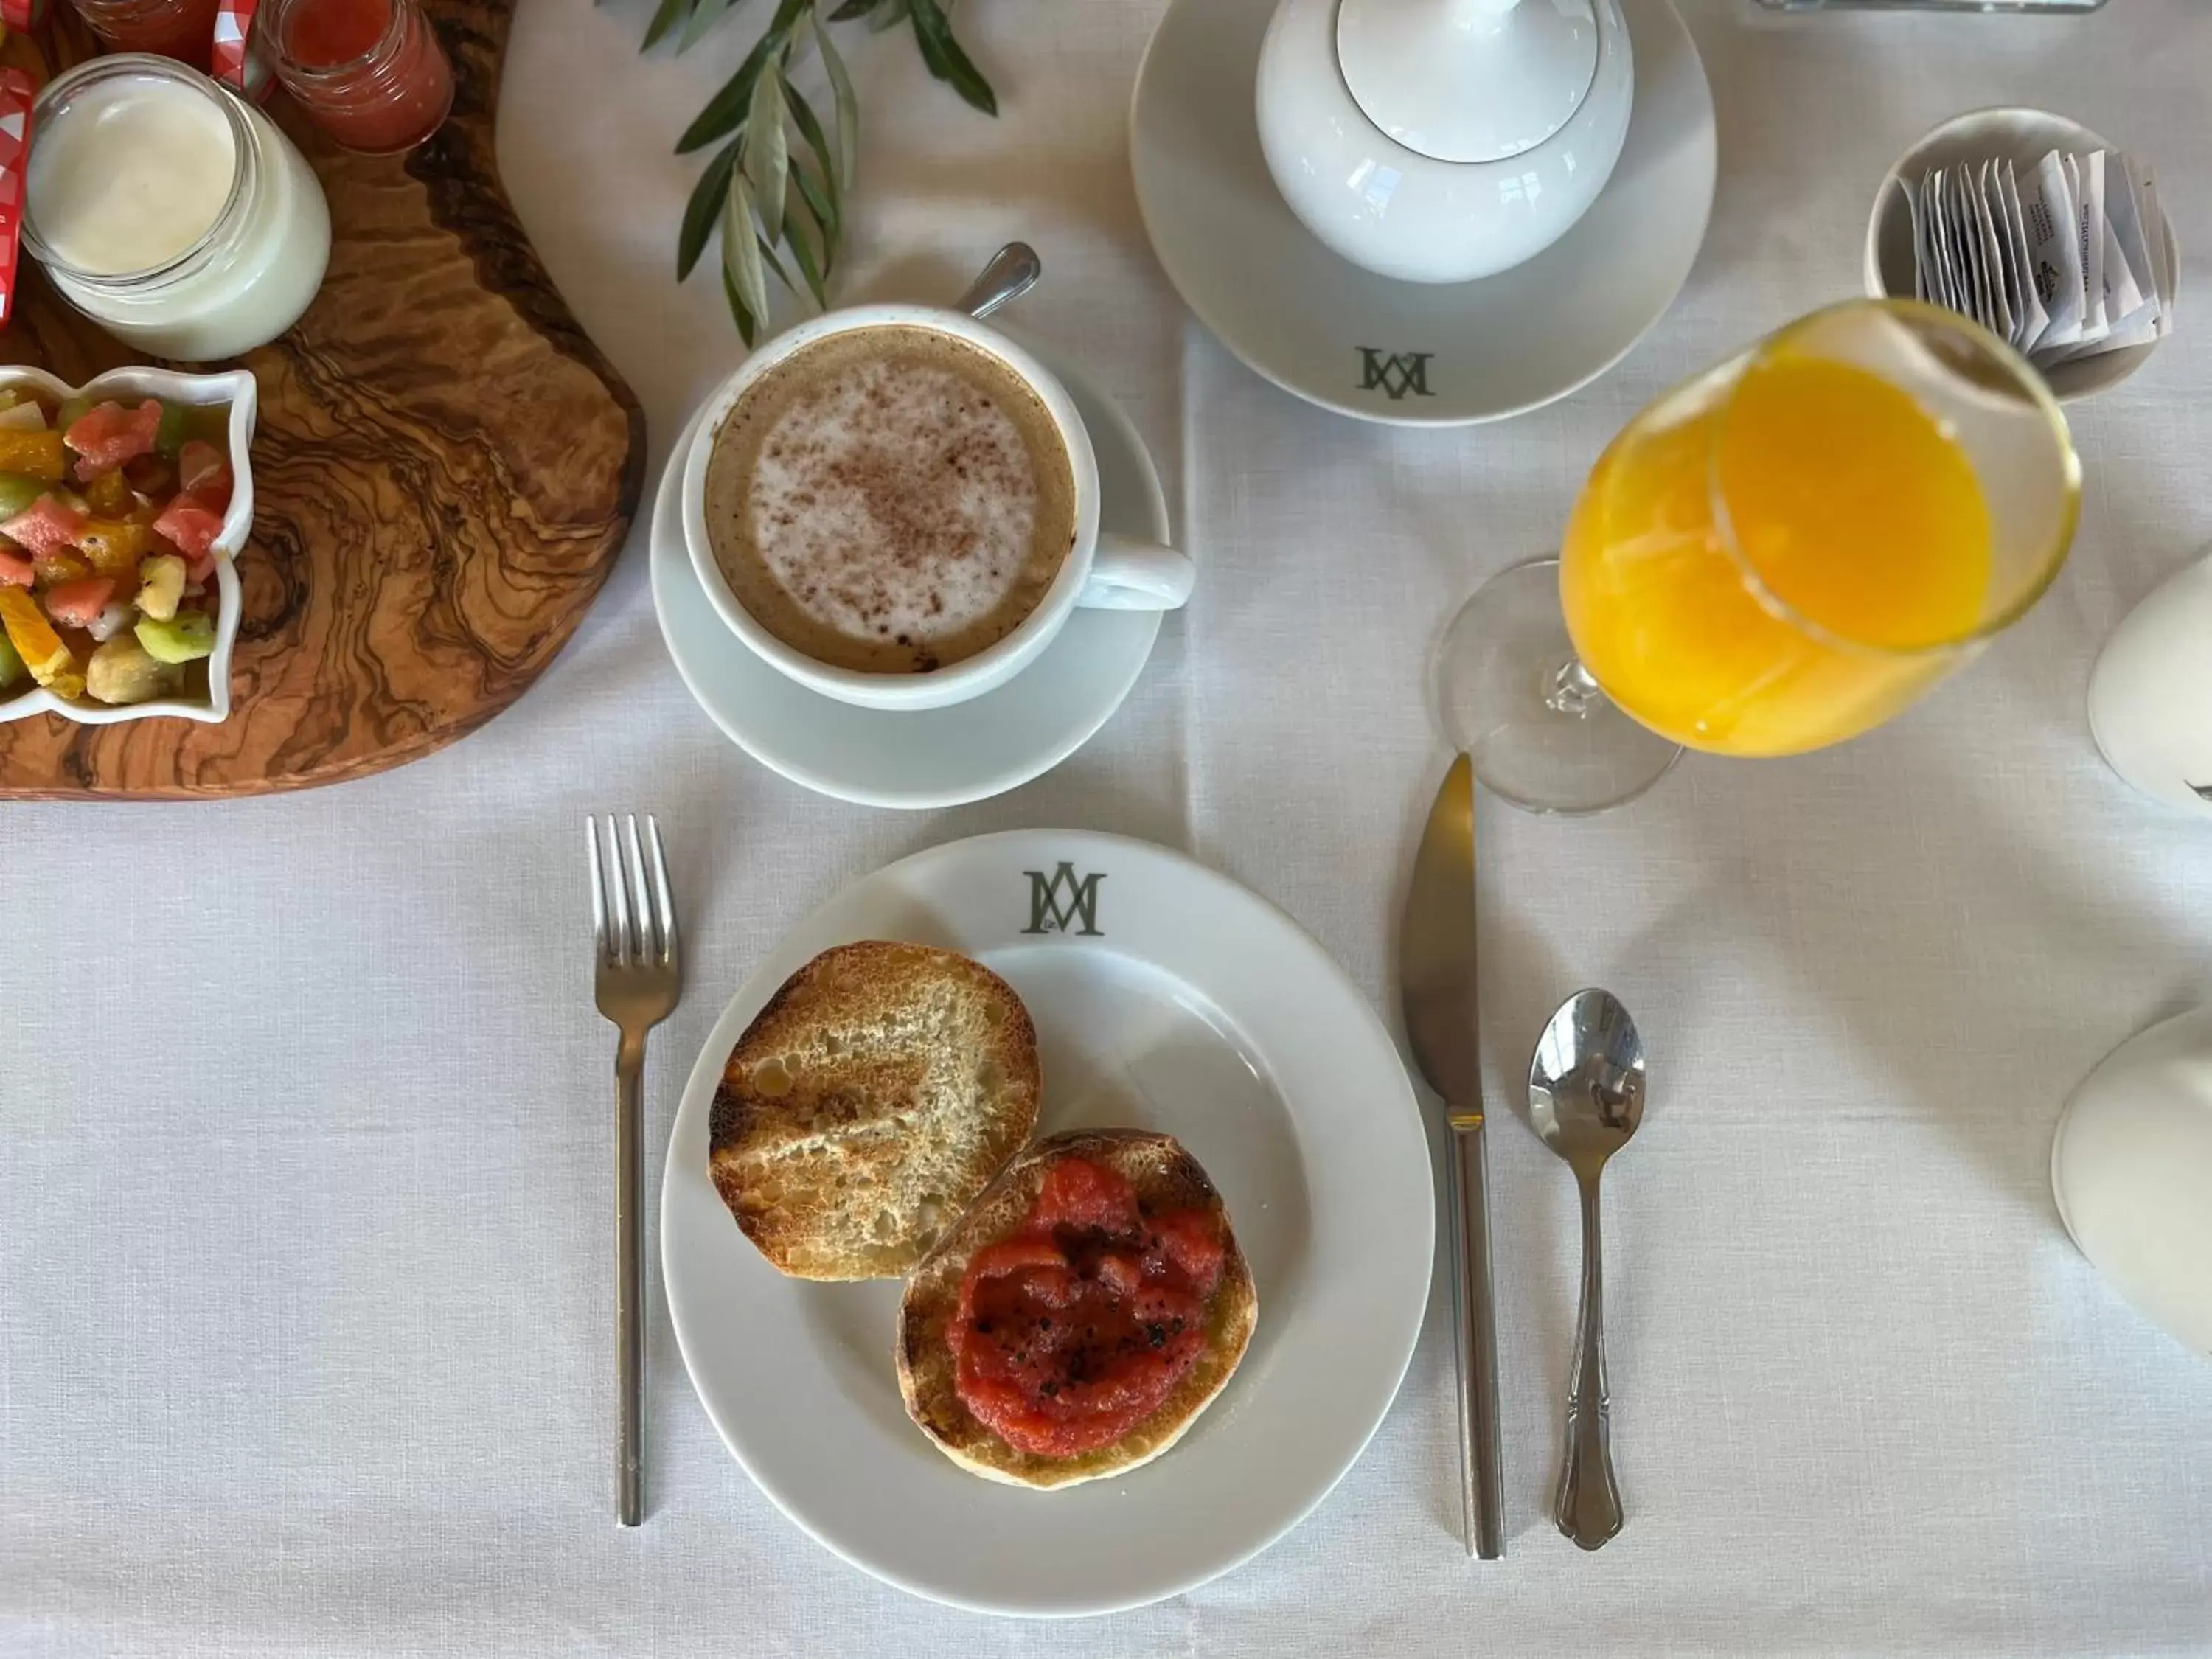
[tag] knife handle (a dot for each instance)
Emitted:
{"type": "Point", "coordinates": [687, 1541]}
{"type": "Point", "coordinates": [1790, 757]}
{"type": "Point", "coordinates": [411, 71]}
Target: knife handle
{"type": "Point", "coordinates": [1475, 1328]}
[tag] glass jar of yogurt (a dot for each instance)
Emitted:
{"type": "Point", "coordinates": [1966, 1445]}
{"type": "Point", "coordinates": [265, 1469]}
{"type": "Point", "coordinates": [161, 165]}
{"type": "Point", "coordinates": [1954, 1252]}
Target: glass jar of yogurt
{"type": "Point", "coordinates": [170, 211]}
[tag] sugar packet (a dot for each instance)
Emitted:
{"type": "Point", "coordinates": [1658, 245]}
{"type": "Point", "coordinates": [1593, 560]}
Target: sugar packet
{"type": "Point", "coordinates": [2063, 255]}
{"type": "Point", "coordinates": [2054, 249]}
{"type": "Point", "coordinates": [2085, 175]}
{"type": "Point", "coordinates": [2029, 317]}
{"type": "Point", "coordinates": [2000, 299]}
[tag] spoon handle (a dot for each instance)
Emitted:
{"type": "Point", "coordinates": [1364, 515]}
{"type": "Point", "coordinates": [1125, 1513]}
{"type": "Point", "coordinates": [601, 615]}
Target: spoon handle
{"type": "Point", "coordinates": [1013, 271]}
{"type": "Point", "coordinates": [1588, 1509]}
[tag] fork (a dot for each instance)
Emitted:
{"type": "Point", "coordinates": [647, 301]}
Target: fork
{"type": "Point", "coordinates": [638, 974]}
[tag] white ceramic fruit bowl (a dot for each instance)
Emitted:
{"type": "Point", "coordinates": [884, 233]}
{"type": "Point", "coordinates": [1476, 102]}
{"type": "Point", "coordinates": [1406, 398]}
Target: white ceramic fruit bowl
{"type": "Point", "coordinates": [237, 389]}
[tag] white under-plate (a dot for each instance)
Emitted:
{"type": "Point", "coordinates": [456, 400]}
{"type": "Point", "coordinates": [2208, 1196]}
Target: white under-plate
{"type": "Point", "coordinates": [1167, 997]}
{"type": "Point", "coordinates": [1413, 353]}
{"type": "Point", "coordinates": [925, 757]}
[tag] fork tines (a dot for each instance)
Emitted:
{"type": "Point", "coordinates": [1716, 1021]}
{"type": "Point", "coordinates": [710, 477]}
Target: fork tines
{"type": "Point", "coordinates": [644, 915]}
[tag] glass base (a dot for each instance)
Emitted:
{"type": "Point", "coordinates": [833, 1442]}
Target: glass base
{"type": "Point", "coordinates": [1509, 692]}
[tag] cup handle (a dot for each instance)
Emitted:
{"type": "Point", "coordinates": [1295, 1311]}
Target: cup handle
{"type": "Point", "coordinates": [1128, 574]}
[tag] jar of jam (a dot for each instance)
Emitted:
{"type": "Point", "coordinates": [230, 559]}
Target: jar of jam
{"type": "Point", "coordinates": [370, 73]}
{"type": "Point", "coordinates": [182, 29]}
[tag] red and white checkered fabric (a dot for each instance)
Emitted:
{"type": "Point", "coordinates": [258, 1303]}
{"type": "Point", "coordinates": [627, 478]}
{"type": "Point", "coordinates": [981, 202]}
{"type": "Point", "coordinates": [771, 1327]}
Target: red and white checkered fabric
{"type": "Point", "coordinates": [234, 60]}
{"type": "Point", "coordinates": [17, 92]}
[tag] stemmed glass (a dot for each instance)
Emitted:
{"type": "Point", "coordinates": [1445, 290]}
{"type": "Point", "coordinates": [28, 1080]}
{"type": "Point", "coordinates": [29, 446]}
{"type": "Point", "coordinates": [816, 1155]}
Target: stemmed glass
{"type": "Point", "coordinates": [1778, 555]}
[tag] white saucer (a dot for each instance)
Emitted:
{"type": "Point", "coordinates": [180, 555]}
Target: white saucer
{"type": "Point", "coordinates": [1411, 354]}
{"type": "Point", "coordinates": [934, 757]}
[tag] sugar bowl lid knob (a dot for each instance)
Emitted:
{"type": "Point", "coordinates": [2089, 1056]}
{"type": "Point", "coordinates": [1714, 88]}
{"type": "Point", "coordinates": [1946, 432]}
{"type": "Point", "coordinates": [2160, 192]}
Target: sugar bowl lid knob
{"type": "Point", "coordinates": [1468, 81]}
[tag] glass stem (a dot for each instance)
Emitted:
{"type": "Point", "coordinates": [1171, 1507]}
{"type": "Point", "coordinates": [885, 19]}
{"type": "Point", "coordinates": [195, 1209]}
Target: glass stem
{"type": "Point", "coordinates": [1572, 692]}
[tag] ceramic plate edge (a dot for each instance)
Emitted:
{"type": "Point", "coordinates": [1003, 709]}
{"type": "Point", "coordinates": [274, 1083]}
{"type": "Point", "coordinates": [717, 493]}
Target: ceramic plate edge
{"type": "Point", "coordinates": [707, 1069]}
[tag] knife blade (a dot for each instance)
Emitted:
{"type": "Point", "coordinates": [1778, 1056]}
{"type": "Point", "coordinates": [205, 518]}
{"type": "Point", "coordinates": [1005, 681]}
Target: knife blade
{"type": "Point", "coordinates": [1436, 984]}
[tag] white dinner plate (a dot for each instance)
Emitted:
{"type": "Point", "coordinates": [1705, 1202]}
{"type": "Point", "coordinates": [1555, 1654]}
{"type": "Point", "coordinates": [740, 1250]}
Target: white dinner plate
{"type": "Point", "coordinates": [1413, 353]}
{"type": "Point", "coordinates": [1167, 998]}
{"type": "Point", "coordinates": [926, 758]}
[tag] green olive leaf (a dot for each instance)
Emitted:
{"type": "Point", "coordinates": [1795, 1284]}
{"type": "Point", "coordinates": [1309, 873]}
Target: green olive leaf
{"type": "Point", "coordinates": [787, 13]}
{"type": "Point", "coordinates": [796, 226]}
{"type": "Point", "coordinates": [705, 13]}
{"type": "Point", "coordinates": [666, 17]}
{"type": "Point", "coordinates": [726, 111]}
{"type": "Point", "coordinates": [768, 149]}
{"type": "Point", "coordinates": [747, 329]}
{"type": "Point", "coordinates": [847, 109]}
{"type": "Point", "coordinates": [767, 257]}
{"type": "Point", "coordinates": [810, 129]}
{"type": "Point", "coordinates": [705, 206]}
{"type": "Point", "coordinates": [946, 61]}
{"type": "Point", "coordinates": [741, 259]}
{"type": "Point", "coordinates": [823, 204]}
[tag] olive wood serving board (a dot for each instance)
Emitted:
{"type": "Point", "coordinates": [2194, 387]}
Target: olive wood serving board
{"type": "Point", "coordinates": [444, 473]}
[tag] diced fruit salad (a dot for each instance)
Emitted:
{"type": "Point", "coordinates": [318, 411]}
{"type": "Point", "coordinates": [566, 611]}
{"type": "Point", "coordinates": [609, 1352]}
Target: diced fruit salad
{"type": "Point", "coordinates": [109, 512]}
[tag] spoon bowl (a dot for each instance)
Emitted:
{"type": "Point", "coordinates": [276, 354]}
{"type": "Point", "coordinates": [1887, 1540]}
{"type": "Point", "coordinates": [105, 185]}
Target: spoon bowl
{"type": "Point", "coordinates": [1586, 1081]}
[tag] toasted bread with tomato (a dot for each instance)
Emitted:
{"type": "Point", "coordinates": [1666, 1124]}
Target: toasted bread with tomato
{"type": "Point", "coordinates": [1166, 1178]}
{"type": "Point", "coordinates": [868, 1104]}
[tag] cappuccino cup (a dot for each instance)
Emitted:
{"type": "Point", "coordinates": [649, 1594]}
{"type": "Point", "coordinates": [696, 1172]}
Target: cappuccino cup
{"type": "Point", "coordinates": [897, 507]}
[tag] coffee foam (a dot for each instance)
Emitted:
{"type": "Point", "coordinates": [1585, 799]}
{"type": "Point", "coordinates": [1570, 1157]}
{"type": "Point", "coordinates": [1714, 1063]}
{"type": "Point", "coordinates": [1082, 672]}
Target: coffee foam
{"type": "Point", "coordinates": [890, 498]}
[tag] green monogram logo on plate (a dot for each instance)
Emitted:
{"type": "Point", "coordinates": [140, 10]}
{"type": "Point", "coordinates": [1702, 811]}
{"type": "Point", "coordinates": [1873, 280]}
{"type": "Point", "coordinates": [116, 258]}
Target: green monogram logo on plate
{"type": "Point", "coordinates": [1400, 373]}
{"type": "Point", "coordinates": [1059, 901]}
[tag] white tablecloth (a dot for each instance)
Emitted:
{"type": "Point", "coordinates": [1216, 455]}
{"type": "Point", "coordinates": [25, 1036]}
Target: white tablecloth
{"type": "Point", "coordinates": [306, 1293]}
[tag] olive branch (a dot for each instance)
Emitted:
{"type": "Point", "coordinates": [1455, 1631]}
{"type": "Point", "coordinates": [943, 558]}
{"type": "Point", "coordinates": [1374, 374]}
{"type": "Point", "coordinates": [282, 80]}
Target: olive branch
{"type": "Point", "coordinates": [782, 177]}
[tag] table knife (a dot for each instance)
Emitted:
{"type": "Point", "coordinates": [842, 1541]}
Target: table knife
{"type": "Point", "coordinates": [1437, 981]}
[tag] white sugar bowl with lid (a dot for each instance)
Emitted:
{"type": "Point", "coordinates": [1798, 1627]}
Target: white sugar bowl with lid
{"type": "Point", "coordinates": [1440, 140]}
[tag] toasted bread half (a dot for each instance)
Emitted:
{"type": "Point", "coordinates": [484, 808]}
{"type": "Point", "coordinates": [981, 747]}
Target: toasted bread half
{"type": "Point", "coordinates": [1166, 1177]}
{"type": "Point", "coordinates": [868, 1105]}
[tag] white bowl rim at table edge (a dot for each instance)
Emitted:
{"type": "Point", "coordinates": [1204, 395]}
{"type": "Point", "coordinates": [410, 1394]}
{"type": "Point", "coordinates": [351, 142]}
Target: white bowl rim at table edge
{"type": "Point", "coordinates": [1334, 1206]}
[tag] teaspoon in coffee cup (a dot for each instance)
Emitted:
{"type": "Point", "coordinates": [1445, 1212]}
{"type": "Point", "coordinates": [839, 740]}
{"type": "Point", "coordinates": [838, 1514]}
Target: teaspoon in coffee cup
{"type": "Point", "coordinates": [1585, 1099]}
{"type": "Point", "coordinates": [1012, 272]}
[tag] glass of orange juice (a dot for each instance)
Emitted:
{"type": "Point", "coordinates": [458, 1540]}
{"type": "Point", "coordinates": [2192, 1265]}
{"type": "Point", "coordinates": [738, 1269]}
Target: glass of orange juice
{"type": "Point", "coordinates": [1778, 555]}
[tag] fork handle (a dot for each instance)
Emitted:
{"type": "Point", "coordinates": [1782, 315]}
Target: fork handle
{"type": "Point", "coordinates": [630, 1284]}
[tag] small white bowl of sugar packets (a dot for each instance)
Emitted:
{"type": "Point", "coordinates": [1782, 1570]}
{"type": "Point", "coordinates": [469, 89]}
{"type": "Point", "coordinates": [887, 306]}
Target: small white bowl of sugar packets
{"type": "Point", "coordinates": [2047, 234]}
